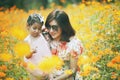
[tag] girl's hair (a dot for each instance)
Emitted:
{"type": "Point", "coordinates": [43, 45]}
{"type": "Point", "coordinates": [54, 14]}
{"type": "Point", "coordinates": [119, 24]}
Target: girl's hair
{"type": "Point", "coordinates": [35, 18]}
{"type": "Point", "coordinates": [63, 22]}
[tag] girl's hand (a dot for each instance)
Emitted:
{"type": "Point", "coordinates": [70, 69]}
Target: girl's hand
{"type": "Point", "coordinates": [31, 53]}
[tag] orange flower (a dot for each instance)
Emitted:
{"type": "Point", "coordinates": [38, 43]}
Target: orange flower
{"type": "Point", "coordinates": [113, 77]}
{"type": "Point", "coordinates": [24, 64]}
{"type": "Point", "coordinates": [2, 74]}
{"type": "Point", "coordinates": [116, 59]}
{"type": "Point", "coordinates": [3, 67]}
{"type": "Point", "coordinates": [110, 64]}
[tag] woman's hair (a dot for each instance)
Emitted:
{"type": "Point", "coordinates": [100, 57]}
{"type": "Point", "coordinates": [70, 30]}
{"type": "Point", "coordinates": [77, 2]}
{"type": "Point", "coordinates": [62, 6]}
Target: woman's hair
{"type": "Point", "coordinates": [63, 22]}
{"type": "Point", "coordinates": [35, 18]}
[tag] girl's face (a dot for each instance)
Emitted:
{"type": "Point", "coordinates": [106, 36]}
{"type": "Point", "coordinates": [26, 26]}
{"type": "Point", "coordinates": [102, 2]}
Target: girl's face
{"type": "Point", "coordinates": [54, 30]}
{"type": "Point", "coordinates": [35, 29]}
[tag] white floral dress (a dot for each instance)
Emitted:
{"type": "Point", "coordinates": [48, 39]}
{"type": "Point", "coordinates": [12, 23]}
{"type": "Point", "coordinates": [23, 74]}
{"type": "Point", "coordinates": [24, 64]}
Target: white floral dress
{"type": "Point", "coordinates": [64, 50]}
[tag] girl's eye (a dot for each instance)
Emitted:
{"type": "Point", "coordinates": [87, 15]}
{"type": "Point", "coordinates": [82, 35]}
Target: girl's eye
{"type": "Point", "coordinates": [34, 28]}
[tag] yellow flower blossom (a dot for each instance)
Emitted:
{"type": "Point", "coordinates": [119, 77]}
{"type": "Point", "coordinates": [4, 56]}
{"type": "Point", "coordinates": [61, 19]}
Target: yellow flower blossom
{"type": "Point", "coordinates": [21, 49]}
{"type": "Point", "coordinates": [19, 33]}
{"type": "Point", "coordinates": [9, 78]}
{"type": "Point", "coordinates": [50, 63]}
{"type": "Point", "coordinates": [87, 67]}
{"type": "Point", "coordinates": [68, 71]}
{"type": "Point", "coordinates": [83, 59]}
{"type": "Point", "coordinates": [94, 59]}
{"type": "Point", "coordinates": [5, 57]}
{"type": "Point", "coordinates": [84, 73]}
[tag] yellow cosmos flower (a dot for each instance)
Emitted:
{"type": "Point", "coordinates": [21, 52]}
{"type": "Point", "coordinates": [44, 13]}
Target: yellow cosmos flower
{"type": "Point", "coordinates": [85, 73]}
{"type": "Point", "coordinates": [87, 67]}
{"type": "Point", "coordinates": [109, 0]}
{"type": "Point", "coordinates": [94, 59]}
{"type": "Point", "coordinates": [50, 63]}
{"type": "Point", "coordinates": [86, 70]}
{"type": "Point", "coordinates": [83, 59]}
{"type": "Point", "coordinates": [68, 71]}
{"type": "Point", "coordinates": [21, 49]}
{"type": "Point", "coordinates": [19, 33]}
{"type": "Point", "coordinates": [5, 57]}
{"type": "Point", "coordinates": [9, 78]}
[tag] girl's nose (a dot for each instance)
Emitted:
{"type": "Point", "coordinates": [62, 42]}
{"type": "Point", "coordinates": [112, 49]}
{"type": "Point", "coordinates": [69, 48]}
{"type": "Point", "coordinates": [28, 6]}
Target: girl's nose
{"type": "Point", "coordinates": [37, 30]}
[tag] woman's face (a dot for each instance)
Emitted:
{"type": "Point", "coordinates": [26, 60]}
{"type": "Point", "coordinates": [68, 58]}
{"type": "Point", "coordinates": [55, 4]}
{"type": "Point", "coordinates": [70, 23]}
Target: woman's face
{"type": "Point", "coordinates": [35, 29]}
{"type": "Point", "coordinates": [55, 30]}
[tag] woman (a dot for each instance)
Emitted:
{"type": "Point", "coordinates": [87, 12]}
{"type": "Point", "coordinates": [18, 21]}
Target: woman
{"type": "Point", "coordinates": [64, 44]}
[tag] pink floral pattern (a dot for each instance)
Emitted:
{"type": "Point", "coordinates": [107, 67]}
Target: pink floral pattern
{"type": "Point", "coordinates": [64, 50]}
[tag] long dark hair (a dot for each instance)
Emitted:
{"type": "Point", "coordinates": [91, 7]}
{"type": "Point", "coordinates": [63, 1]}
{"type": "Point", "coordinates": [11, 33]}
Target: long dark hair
{"type": "Point", "coordinates": [62, 20]}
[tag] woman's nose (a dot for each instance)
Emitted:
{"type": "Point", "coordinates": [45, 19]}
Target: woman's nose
{"type": "Point", "coordinates": [51, 30]}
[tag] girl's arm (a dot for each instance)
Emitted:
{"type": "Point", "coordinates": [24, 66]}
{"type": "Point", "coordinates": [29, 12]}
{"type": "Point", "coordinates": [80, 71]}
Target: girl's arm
{"type": "Point", "coordinates": [30, 55]}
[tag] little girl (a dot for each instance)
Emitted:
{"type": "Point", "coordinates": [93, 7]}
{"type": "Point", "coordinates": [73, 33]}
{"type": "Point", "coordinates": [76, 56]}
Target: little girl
{"type": "Point", "coordinates": [38, 44]}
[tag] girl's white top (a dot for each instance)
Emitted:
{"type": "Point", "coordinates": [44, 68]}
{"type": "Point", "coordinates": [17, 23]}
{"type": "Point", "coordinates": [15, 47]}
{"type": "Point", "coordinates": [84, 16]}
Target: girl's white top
{"type": "Point", "coordinates": [40, 45]}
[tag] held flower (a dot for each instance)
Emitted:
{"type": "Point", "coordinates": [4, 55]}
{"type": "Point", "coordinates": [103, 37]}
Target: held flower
{"type": "Point", "coordinates": [68, 71]}
{"type": "Point", "coordinates": [22, 49]}
{"type": "Point", "coordinates": [49, 64]}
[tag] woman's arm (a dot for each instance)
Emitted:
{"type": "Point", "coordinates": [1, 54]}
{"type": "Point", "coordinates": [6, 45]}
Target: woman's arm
{"type": "Point", "coordinates": [73, 68]}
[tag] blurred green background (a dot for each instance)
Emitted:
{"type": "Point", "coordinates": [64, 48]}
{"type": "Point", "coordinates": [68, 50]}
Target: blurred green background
{"type": "Point", "coordinates": [37, 4]}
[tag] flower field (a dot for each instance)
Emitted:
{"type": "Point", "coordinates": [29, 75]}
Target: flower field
{"type": "Point", "coordinates": [97, 26]}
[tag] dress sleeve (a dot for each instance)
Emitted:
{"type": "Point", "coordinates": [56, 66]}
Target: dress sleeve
{"type": "Point", "coordinates": [75, 47]}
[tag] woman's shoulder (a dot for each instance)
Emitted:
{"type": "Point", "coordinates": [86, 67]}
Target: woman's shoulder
{"type": "Point", "coordinates": [75, 44]}
{"type": "Point", "coordinates": [75, 41]}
